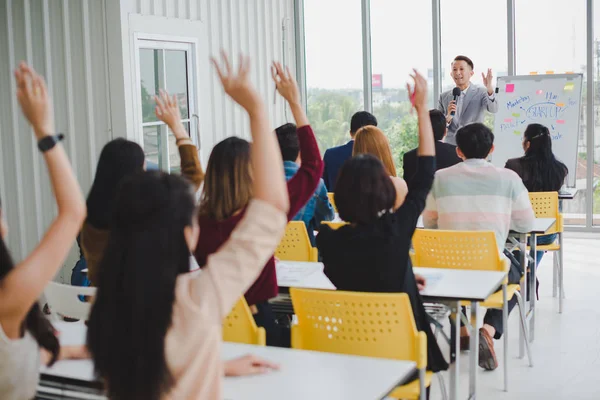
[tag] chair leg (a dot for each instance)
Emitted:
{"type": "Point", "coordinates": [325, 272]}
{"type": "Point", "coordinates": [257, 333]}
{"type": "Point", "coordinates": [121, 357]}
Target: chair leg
{"type": "Point", "coordinates": [554, 274]}
{"type": "Point", "coordinates": [423, 391]}
{"type": "Point", "coordinates": [524, 326]}
{"type": "Point", "coordinates": [505, 326]}
{"type": "Point", "coordinates": [561, 283]}
{"type": "Point", "coordinates": [442, 386]}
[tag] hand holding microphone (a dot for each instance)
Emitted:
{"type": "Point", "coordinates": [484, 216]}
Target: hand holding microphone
{"type": "Point", "coordinates": [456, 92]}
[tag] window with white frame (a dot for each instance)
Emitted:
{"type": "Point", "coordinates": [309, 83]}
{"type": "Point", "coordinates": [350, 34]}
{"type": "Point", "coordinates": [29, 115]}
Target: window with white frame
{"type": "Point", "coordinates": [166, 65]}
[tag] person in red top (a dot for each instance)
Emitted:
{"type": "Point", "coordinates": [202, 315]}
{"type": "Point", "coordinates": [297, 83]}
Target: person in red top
{"type": "Point", "coordinates": [227, 191]}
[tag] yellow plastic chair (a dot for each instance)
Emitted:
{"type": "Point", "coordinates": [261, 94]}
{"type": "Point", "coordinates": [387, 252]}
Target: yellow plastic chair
{"type": "Point", "coordinates": [473, 250]}
{"type": "Point", "coordinates": [295, 245]}
{"type": "Point", "coordinates": [239, 326]}
{"type": "Point", "coordinates": [365, 324]}
{"type": "Point", "coordinates": [545, 205]}
{"type": "Point", "coordinates": [334, 225]}
{"type": "Point", "coordinates": [332, 201]}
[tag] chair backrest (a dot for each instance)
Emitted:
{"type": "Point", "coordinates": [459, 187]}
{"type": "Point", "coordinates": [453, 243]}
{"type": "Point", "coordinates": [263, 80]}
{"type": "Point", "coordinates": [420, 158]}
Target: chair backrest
{"type": "Point", "coordinates": [545, 205]}
{"type": "Point", "coordinates": [64, 300]}
{"type": "Point", "coordinates": [239, 326]}
{"type": "Point", "coordinates": [295, 244]}
{"type": "Point", "coordinates": [332, 201]}
{"type": "Point", "coordinates": [333, 225]}
{"type": "Point", "coordinates": [365, 324]}
{"type": "Point", "coordinates": [476, 250]}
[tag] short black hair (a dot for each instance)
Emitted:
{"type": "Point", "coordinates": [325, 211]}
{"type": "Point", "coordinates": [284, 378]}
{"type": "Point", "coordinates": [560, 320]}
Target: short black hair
{"type": "Point", "coordinates": [363, 190]}
{"type": "Point", "coordinates": [288, 142]}
{"type": "Point", "coordinates": [438, 123]}
{"type": "Point", "coordinates": [475, 140]}
{"type": "Point", "coordinates": [360, 119]}
{"type": "Point", "coordinates": [465, 59]}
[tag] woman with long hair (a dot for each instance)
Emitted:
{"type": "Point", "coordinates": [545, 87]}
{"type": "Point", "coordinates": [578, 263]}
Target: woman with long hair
{"type": "Point", "coordinates": [539, 169]}
{"type": "Point", "coordinates": [228, 190]}
{"type": "Point", "coordinates": [118, 159]}
{"type": "Point", "coordinates": [155, 328]}
{"type": "Point", "coordinates": [371, 252]}
{"type": "Point", "coordinates": [371, 140]}
{"type": "Point", "coordinates": [23, 328]}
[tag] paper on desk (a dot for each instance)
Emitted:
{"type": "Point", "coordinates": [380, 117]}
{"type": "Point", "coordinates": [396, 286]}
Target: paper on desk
{"type": "Point", "coordinates": [296, 271]}
{"type": "Point", "coordinates": [431, 278]}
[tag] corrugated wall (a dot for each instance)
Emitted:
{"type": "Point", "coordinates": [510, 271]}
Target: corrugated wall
{"type": "Point", "coordinates": [255, 27]}
{"type": "Point", "coordinates": [65, 41]}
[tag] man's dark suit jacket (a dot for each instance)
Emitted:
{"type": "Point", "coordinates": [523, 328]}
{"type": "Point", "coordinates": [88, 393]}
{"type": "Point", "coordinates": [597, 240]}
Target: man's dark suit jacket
{"type": "Point", "coordinates": [333, 159]}
{"type": "Point", "coordinates": [445, 156]}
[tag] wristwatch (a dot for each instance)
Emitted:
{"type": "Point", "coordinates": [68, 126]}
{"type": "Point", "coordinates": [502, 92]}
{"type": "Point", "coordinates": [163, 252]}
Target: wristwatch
{"type": "Point", "coordinates": [48, 142]}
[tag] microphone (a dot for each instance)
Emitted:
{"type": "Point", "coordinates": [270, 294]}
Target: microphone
{"type": "Point", "coordinates": [456, 93]}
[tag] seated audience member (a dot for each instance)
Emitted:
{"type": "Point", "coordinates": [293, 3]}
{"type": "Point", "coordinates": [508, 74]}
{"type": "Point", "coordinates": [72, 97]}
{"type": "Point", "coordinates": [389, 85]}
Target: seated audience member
{"type": "Point", "coordinates": [335, 157]}
{"type": "Point", "coordinates": [318, 208]}
{"type": "Point", "coordinates": [477, 196]}
{"type": "Point", "coordinates": [118, 159]}
{"type": "Point", "coordinates": [371, 252]}
{"type": "Point", "coordinates": [371, 140]}
{"type": "Point", "coordinates": [155, 328]}
{"type": "Point", "coordinates": [445, 153]}
{"type": "Point", "coordinates": [539, 169]}
{"type": "Point", "coordinates": [27, 339]}
{"type": "Point", "coordinates": [227, 193]}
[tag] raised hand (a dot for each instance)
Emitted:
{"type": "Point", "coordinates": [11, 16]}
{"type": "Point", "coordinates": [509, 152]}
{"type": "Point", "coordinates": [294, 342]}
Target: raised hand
{"type": "Point", "coordinates": [248, 365]}
{"type": "Point", "coordinates": [238, 85]}
{"type": "Point", "coordinates": [488, 81]}
{"type": "Point", "coordinates": [285, 83]}
{"type": "Point", "coordinates": [34, 100]}
{"type": "Point", "coordinates": [167, 110]}
{"type": "Point", "coordinates": [418, 94]}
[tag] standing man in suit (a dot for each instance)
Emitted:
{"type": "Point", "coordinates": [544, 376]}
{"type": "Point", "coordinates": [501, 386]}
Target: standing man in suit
{"type": "Point", "coordinates": [472, 101]}
{"type": "Point", "coordinates": [445, 153]}
{"type": "Point", "coordinates": [335, 157]}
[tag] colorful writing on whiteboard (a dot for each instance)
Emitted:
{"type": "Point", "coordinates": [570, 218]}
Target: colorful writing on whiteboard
{"type": "Point", "coordinates": [508, 119]}
{"type": "Point", "coordinates": [518, 133]}
{"type": "Point", "coordinates": [539, 92]}
{"type": "Point", "coordinates": [516, 115]}
{"type": "Point", "coordinates": [560, 104]}
{"type": "Point", "coordinates": [560, 121]}
{"type": "Point", "coordinates": [569, 86]}
{"type": "Point", "coordinates": [510, 87]}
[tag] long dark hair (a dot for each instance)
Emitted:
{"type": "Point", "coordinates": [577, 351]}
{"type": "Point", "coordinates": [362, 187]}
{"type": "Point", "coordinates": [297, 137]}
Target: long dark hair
{"type": "Point", "coordinates": [132, 311]}
{"type": "Point", "coordinates": [35, 322]}
{"type": "Point", "coordinates": [363, 190]}
{"type": "Point", "coordinates": [119, 158]}
{"type": "Point", "coordinates": [228, 181]}
{"type": "Point", "coordinates": [542, 172]}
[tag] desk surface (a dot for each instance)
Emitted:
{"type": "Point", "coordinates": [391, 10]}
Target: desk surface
{"type": "Point", "coordinates": [330, 376]}
{"type": "Point", "coordinates": [541, 225]}
{"type": "Point", "coordinates": [459, 284]}
{"type": "Point", "coordinates": [567, 194]}
{"type": "Point", "coordinates": [308, 275]}
{"type": "Point", "coordinates": [315, 375]}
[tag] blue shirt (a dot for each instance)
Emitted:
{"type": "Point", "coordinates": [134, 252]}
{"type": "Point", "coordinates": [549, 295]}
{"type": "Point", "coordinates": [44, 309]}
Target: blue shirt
{"type": "Point", "coordinates": [317, 209]}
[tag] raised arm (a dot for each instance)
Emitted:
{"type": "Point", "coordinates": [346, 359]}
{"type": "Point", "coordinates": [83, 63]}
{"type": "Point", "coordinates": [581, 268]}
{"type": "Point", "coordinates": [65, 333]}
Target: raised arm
{"type": "Point", "coordinates": [306, 180]}
{"type": "Point", "coordinates": [231, 270]}
{"type": "Point", "coordinates": [167, 110]}
{"type": "Point", "coordinates": [489, 99]}
{"type": "Point", "coordinates": [420, 184]}
{"type": "Point", "coordinates": [24, 284]}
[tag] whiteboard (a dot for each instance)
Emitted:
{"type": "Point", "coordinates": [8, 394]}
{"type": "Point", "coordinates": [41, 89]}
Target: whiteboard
{"type": "Point", "coordinates": [550, 100]}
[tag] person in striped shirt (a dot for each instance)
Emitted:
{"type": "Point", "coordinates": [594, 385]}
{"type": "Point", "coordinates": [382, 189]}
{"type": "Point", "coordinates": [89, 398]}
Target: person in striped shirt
{"type": "Point", "coordinates": [476, 195]}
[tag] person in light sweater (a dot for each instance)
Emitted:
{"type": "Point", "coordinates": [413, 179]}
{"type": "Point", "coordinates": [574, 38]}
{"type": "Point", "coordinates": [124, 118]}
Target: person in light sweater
{"type": "Point", "coordinates": [155, 328]}
{"type": "Point", "coordinates": [477, 196]}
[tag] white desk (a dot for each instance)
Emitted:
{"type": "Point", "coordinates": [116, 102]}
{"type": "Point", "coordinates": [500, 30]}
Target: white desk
{"type": "Point", "coordinates": [315, 375]}
{"type": "Point", "coordinates": [451, 286]}
{"type": "Point", "coordinates": [303, 374]}
{"type": "Point", "coordinates": [308, 275]}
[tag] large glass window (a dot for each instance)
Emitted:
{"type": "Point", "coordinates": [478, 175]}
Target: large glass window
{"type": "Point", "coordinates": [596, 141]}
{"type": "Point", "coordinates": [334, 67]}
{"type": "Point", "coordinates": [163, 65]}
{"type": "Point", "coordinates": [397, 48]}
{"type": "Point", "coordinates": [477, 30]}
{"type": "Point", "coordinates": [560, 49]}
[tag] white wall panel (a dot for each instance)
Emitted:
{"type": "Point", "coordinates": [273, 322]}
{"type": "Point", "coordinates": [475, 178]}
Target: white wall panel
{"type": "Point", "coordinates": [64, 41]}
